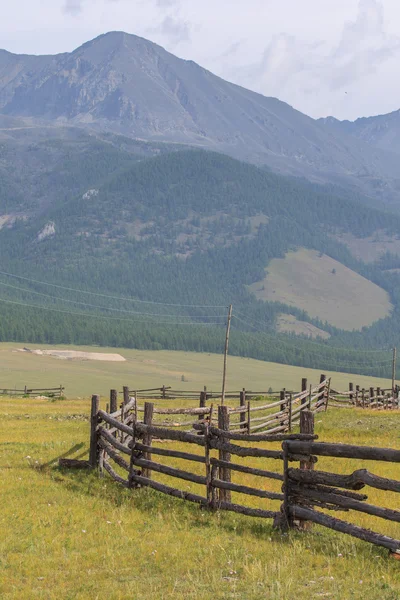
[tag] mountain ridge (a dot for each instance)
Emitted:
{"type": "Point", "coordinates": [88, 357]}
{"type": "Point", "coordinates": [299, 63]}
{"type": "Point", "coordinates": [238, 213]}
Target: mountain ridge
{"type": "Point", "coordinates": [125, 84]}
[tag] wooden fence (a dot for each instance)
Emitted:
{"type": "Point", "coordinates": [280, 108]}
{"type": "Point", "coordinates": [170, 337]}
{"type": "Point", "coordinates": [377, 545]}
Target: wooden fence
{"type": "Point", "coordinates": [366, 397]}
{"type": "Point", "coordinates": [306, 489]}
{"type": "Point", "coordinates": [253, 412]}
{"type": "Point", "coordinates": [124, 448]}
{"type": "Point", "coordinates": [55, 392]}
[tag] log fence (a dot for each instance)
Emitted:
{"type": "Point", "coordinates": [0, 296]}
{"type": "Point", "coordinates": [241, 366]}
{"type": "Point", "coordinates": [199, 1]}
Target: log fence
{"type": "Point", "coordinates": [50, 392]}
{"type": "Point", "coordinates": [127, 445]}
{"type": "Point", "coordinates": [366, 397]}
{"type": "Point", "coordinates": [306, 490]}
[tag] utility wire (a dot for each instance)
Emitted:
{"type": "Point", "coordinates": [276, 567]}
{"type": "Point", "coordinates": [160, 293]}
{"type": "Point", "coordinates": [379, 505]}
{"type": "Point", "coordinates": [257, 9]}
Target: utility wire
{"type": "Point", "coordinates": [105, 317]}
{"type": "Point", "coordinates": [132, 312]}
{"type": "Point", "coordinates": [62, 287]}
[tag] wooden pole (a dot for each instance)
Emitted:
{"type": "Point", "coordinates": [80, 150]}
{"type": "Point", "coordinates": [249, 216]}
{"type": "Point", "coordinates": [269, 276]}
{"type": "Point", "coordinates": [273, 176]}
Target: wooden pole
{"type": "Point", "coordinates": [126, 394]}
{"type": "Point", "coordinates": [394, 370]}
{"type": "Point", "coordinates": [282, 405]}
{"type": "Point", "coordinates": [242, 417]}
{"type": "Point", "coordinates": [94, 419]}
{"type": "Point", "coordinates": [290, 402]}
{"type": "Point", "coordinates": [147, 439]}
{"type": "Point", "coordinates": [351, 389]}
{"type": "Point", "coordinates": [113, 401]}
{"type": "Point", "coordinates": [228, 329]}
{"type": "Point", "coordinates": [306, 426]}
{"type": "Point", "coordinates": [303, 389]}
{"type": "Point", "coordinates": [224, 473]}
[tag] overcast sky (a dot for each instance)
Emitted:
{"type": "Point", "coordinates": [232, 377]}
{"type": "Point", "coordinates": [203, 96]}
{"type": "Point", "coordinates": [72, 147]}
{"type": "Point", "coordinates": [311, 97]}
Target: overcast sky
{"type": "Point", "coordinates": [324, 57]}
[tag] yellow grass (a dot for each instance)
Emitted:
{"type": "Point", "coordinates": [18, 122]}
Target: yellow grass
{"type": "Point", "coordinates": [72, 535]}
{"type": "Point", "coordinates": [149, 369]}
{"type": "Point", "coordinates": [342, 298]}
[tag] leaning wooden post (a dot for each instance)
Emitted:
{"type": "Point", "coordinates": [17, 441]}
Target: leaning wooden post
{"type": "Point", "coordinates": [228, 329]}
{"type": "Point", "coordinates": [242, 417]}
{"type": "Point", "coordinates": [303, 389]}
{"type": "Point", "coordinates": [328, 393]}
{"type": "Point", "coordinates": [94, 420]}
{"type": "Point", "coordinates": [224, 473]}
{"type": "Point", "coordinates": [289, 409]}
{"type": "Point", "coordinates": [147, 438]}
{"type": "Point", "coordinates": [322, 394]}
{"type": "Point", "coordinates": [248, 418]}
{"type": "Point", "coordinates": [306, 426]}
{"type": "Point", "coordinates": [113, 401]}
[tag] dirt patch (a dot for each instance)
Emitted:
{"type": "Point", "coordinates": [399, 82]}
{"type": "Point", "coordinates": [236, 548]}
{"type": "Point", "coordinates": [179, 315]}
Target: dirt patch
{"type": "Point", "coordinates": [75, 355]}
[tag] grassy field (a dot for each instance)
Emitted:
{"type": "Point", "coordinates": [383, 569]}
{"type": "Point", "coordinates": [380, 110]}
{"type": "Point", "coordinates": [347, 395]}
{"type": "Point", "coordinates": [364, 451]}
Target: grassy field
{"type": "Point", "coordinates": [324, 288]}
{"type": "Point", "coordinates": [149, 369]}
{"type": "Point", "coordinates": [73, 536]}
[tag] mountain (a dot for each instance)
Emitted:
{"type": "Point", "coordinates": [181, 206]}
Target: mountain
{"type": "Point", "coordinates": [382, 131]}
{"type": "Point", "coordinates": [127, 85]}
{"type": "Point", "coordinates": [141, 232]}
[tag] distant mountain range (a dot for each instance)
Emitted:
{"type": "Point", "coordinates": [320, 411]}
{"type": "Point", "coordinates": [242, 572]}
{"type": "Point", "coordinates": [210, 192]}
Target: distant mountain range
{"type": "Point", "coordinates": [128, 85]}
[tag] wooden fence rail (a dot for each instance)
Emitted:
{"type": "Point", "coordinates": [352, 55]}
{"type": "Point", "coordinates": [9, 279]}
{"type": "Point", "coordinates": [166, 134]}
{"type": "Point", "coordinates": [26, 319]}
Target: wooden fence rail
{"type": "Point", "coordinates": [52, 392]}
{"type": "Point", "coordinates": [307, 490]}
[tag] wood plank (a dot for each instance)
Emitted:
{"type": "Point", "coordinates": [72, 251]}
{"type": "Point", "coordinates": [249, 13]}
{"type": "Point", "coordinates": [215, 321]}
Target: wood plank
{"type": "Point", "coordinates": [307, 514]}
{"type": "Point", "coordinates": [165, 489]}
{"type": "Point", "coordinates": [345, 451]}
{"type": "Point", "coordinates": [171, 471]}
{"type": "Point", "coordinates": [249, 470]}
{"type": "Point", "coordinates": [355, 481]}
{"type": "Point", "coordinates": [170, 453]}
{"type": "Point", "coordinates": [244, 489]}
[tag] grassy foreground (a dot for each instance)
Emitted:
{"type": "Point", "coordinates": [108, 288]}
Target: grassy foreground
{"type": "Point", "coordinates": [68, 535]}
{"type": "Point", "coordinates": [148, 369]}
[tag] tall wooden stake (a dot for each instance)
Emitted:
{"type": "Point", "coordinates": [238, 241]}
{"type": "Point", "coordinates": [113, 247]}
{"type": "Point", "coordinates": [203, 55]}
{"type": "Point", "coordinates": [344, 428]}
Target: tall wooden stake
{"type": "Point", "coordinates": [228, 329]}
{"type": "Point", "coordinates": [394, 370]}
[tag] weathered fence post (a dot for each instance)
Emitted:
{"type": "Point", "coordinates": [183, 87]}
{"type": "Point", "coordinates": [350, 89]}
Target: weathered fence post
{"type": "Point", "coordinates": [94, 419]}
{"type": "Point", "coordinates": [289, 410]}
{"type": "Point", "coordinates": [357, 395]}
{"type": "Point", "coordinates": [371, 395]}
{"type": "Point", "coordinates": [248, 418]}
{"type": "Point", "coordinates": [147, 438]}
{"type": "Point", "coordinates": [285, 521]}
{"type": "Point", "coordinates": [242, 416]}
{"type": "Point", "coordinates": [126, 395]}
{"type": "Point", "coordinates": [321, 396]}
{"type": "Point", "coordinates": [282, 406]}
{"type": "Point", "coordinates": [306, 426]}
{"type": "Point", "coordinates": [351, 389]}
{"type": "Point", "coordinates": [363, 397]}
{"type": "Point", "coordinates": [163, 392]}
{"type": "Point", "coordinates": [202, 404]}
{"type": "Point", "coordinates": [224, 473]}
{"type": "Point", "coordinates": [208, 466]}
{"type": "Point", "coordinates": [328, 393]}
{"type": "Point", "coordinates": [303, 389]}
{"type": "Point", "coordinates": [113, 401]}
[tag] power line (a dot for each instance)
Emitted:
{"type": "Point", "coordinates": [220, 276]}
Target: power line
{"type": "Point", "coordinates": [61, 287]}
{"type": "Point", "coordinates": [132, 312]}
{"type": "Point", "coordinates": [106, 317]}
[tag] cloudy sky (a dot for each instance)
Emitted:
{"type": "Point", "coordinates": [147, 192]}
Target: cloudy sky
{"type": "Point", "coordinates": [323, 57]}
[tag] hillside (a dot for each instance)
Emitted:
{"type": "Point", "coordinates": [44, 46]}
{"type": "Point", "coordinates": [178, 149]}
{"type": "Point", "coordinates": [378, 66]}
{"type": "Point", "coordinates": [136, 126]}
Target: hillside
{"type": "Point", "coordinates": [324, 288]}
{"type": "Point", "coordinates": [128, 85]}
{"type": "Point", "coordinates": [188, 228]}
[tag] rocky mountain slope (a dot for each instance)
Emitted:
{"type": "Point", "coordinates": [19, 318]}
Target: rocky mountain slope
{"type": "Point", "coordinates": [125, 84]}
{"type": "Point", "coordinates": [381, 131]}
